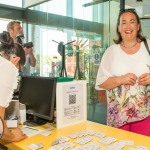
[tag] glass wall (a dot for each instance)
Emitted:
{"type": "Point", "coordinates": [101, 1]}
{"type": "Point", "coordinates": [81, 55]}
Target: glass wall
{"type": "Point", "coordinates": [90, 27]}
{"type": "Point", "coordinates": [55, 7]}
{"type": "Point", "coordinates": [87, 24]}
{"type": "Point", "coordinates": [89, 42]}
{"type": "Point", "coordinates": [3, 24]}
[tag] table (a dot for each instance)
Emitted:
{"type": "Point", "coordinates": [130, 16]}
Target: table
{"type": "Point", "coordinates": [84, 126]}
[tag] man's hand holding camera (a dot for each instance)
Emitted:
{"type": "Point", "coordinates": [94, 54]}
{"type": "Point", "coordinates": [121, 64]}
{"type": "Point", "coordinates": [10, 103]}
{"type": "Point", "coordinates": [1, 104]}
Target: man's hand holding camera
{"type": "Point", "coordinates": [29, 51]}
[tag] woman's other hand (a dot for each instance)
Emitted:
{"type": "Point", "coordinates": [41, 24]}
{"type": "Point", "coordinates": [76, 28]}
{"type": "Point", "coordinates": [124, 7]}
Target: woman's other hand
{"type": "Point", "coordinates": [144, 79]}
{"type": "Point", "coordinates": [18, 135]}
{"type": "Point", "coordinates": [128, 79]}
{"type": "Point", "coordinates": [15, 60]}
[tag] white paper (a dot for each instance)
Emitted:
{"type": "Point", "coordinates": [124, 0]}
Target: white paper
{"type": "Point", "coordinates": [29, 131]}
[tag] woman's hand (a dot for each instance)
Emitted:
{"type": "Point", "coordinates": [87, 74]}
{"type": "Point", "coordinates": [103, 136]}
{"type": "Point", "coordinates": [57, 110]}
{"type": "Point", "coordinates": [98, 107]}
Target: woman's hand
{"type": "Point", "coordinates": [15, 60]}
{"type": "Point", "coordinates": [18, 135]}
{"type": "Point", "coordinates": [128, 79]}
{"type": "Point", "coordinates": [144, 79]}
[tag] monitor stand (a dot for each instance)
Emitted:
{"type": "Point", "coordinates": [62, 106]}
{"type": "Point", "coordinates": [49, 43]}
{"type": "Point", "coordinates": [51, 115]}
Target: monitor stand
{"type": "Point", "coordinates": [34, 121]}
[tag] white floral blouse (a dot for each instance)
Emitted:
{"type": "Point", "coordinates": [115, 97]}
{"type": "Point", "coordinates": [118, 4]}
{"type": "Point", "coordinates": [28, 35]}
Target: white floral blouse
{"type": "Point", "coordinates": [125, 103]}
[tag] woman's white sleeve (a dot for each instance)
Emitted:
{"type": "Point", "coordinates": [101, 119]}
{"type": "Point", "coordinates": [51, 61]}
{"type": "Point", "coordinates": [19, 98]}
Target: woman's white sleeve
{"type": "Point", "coordinates": [8, 82]}
{"type": "Point", "coordinates": [104, 69]}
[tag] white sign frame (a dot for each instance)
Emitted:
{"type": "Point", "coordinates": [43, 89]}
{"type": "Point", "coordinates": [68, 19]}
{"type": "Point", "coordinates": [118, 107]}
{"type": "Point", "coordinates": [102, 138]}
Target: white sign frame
{"type": "Point", "coordinates": [71, 103]}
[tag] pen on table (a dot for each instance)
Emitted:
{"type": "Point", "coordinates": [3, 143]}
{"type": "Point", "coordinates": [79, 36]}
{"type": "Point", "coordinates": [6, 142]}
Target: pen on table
{"type": "Point", "coordinates": [32, 128]}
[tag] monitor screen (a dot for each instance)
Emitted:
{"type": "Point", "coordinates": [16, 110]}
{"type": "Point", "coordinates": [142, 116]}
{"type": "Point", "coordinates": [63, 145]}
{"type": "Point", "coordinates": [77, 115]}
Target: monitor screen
{"type": "Point", "coordinates": [38, 94]}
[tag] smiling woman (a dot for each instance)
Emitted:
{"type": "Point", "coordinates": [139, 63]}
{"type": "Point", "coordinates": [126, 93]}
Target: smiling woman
{"type": "Point", "coordinates": [125, 75]}
{"type": "Point", "coordinates": [8, 82]}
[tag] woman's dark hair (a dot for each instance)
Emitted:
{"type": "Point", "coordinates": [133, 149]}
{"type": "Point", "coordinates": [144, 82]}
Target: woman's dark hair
{"type": "Point", "coordinates": [139, 33]}
{"type": "Point", "coordinates": [19, 52]}
{"type": "Point", "coordinates": [6, 41]}
{"type": "Point", "coordinates": [9, 47]}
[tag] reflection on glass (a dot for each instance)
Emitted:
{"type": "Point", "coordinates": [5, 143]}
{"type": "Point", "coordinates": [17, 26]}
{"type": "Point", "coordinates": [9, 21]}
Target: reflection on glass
{"type": "Point", "coordinates": [80, 12]}
{"type": "Point", "coordinates": [17, 3]}
{"type": "Point", "coordinates": [55, 7]}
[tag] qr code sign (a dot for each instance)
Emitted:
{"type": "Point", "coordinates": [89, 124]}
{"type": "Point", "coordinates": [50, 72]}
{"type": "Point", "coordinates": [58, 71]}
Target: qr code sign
{"type": "Point", "coordinates": [72, 99]}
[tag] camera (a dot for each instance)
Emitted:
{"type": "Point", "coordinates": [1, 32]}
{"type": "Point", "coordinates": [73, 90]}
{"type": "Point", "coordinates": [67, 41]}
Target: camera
{"type": "Point", "coordinates": [28, 45]}
{"type": "Point", "coordinates": [19, 40]}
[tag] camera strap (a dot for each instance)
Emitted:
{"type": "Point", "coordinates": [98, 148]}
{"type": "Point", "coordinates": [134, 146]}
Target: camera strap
{"type": "Point", "coordinates": [146, 45]}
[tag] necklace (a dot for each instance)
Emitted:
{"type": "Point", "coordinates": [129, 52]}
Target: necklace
{"type": "Point", "coordinates": [128, 46]}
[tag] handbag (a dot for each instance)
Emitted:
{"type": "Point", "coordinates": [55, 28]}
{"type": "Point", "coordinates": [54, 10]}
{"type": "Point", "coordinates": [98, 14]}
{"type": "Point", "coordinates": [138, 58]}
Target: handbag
{"type": "Point", "coordinates": [146, 45]}
{"type": "Point", "coordinates": [102, 98]}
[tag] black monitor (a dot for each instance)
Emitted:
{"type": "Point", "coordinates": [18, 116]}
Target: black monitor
{"type": "Point", "coordinates": [38, 94]}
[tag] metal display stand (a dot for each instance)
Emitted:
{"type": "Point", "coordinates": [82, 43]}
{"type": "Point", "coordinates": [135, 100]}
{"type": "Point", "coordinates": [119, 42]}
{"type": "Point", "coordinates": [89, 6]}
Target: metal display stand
{"type": "Point", "coordinates": [61, 51]}
{"type": "Point", "coordinates": [77, 74]}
